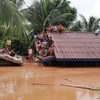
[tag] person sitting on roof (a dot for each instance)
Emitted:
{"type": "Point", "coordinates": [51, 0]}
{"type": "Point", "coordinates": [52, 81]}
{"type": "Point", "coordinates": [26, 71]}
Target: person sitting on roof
{"type": "Point", "coordinates": [50, 28]}
{"type": "Point", "coordinates": [41, 37]}
{"type": "Point", "coordinates": [55, 29]}
{"type": "Point", "coordinates": [51, 49]}
{"type": "Point", "coordinates": [44, 44]}
{"type": "Point", "coordinates": [97, 31]}
{"type": "Point", "coordinates": [50, 41]}
{"type": "Point", "coordinates": [39, 46]}
{"type": "Point", "coordinates": [4, 51]}
{"type": "Point", "coordinates": [45, 37]}
{"type": "Point", "coordinates": [12, 53]}
{"type": "Point", "coordinates": [43, 52]}
{"type": "Point", "coordinates": [60, 28]}
{"type": "Point", "coordinates": [7, 49]}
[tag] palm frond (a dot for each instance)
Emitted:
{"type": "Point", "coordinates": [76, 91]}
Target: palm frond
{"type": "Point", "coordinates": [84, 22]}
{"type": "Point", "coordinates": [12, 19]}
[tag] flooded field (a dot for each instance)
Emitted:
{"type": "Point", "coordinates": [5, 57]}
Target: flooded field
{"type": "Point", "coordinates": [33, 81]}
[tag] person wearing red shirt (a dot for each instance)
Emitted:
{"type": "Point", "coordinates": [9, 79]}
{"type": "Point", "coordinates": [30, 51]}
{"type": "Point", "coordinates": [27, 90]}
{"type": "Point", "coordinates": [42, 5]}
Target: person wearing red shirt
{"type": "Point", "coordinates": [60, 28]}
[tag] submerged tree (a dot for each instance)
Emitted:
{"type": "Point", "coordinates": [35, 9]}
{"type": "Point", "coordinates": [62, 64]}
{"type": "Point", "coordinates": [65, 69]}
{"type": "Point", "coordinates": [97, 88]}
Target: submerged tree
{"type": "Point", "coordinates": [92, 25]}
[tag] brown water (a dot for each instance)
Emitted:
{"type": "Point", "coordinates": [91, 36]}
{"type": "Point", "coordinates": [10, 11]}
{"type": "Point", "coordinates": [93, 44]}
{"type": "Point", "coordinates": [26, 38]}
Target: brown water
{"type": "Point", "coordinates": [33, 81]}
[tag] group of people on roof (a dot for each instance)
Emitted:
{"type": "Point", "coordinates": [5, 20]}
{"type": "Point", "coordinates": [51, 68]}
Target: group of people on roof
{"type": "Point", "coordinates": [54, 28]}
{"type": "Point", "coordinates": [44, 45]}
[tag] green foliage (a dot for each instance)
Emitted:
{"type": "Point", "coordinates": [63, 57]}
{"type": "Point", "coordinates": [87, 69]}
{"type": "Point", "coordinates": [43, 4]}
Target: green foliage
{"type": "Point", "coordinates": [98, 91]}
{"type": "Point", "coordinates": [19, 3]}
{"type": "Point", "coordinates": [19, 46]}
{"type": "Point", "coordinates": [84, 25]}
{"type": "Point", "coordinates": [3, 41]}
{"type": "Point", "coordinates": [12, 20]}
{"type": "Point", "coordinates": [43, 12]}
{"type": "Point", "coordinates": [2, 30]}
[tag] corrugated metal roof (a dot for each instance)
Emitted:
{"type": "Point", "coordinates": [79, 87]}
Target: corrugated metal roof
{"type": "Point", "coordinates": [76, 45]}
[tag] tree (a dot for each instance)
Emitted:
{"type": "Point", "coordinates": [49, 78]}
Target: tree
{"type": "Point", "coordinates": [83, 25]}
{"type": "Point", "coordinates": [43, 12]}
{"type": "Point", "coordinates": [19, 3]}
{"type": "Point", "coordinates": [12, 20]}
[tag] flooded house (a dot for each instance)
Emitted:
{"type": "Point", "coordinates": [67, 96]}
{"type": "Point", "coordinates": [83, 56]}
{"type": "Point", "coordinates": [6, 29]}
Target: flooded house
{"type": "Point", "coordinates": [81, 47]}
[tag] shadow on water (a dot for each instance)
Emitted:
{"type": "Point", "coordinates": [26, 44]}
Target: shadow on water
{"type": "Point", "coordinates": [73, 64]}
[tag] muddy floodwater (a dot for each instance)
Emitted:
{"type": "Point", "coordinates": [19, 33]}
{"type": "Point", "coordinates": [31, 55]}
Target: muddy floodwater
{"type": "Point", "coordinates": [34, 81]}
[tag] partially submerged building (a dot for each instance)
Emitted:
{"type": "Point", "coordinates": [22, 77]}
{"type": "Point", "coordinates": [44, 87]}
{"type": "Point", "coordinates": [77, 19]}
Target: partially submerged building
{"type": "Point", "coordinates": [75, 46]}
{"type": "Point", "coordinates": [8, 60]}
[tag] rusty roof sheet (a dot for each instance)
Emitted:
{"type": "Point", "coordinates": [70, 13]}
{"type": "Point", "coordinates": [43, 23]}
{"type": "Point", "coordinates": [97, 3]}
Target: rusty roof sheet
{"type": "Point", "coordinates": [76, 45]}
